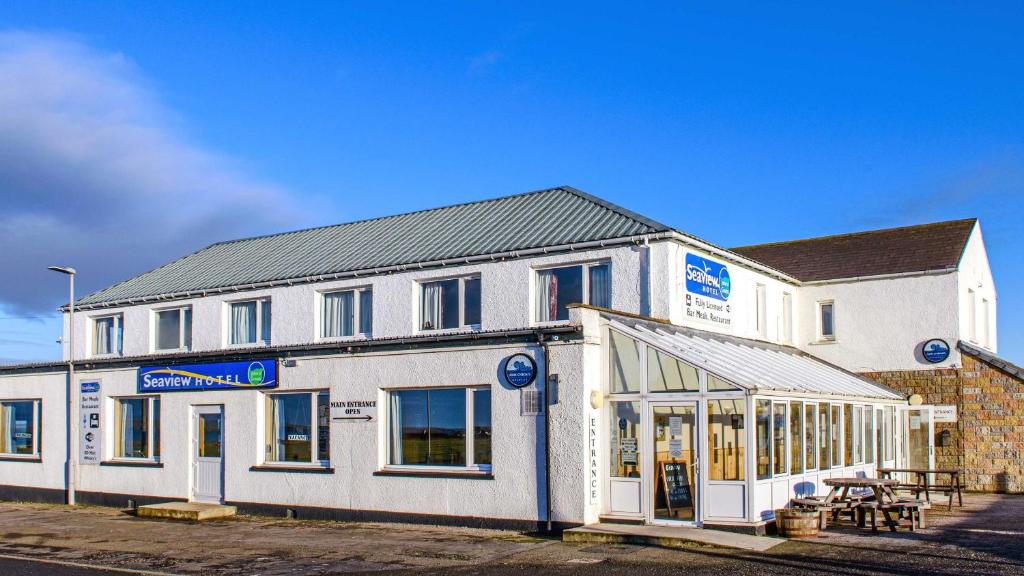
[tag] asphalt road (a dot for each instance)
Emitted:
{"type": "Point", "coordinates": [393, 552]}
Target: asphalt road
{"type": "Point", "coordinates": [10, 567]}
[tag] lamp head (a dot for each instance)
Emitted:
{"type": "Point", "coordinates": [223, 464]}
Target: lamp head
{"type": "Point", "coordinates": [62, 270]}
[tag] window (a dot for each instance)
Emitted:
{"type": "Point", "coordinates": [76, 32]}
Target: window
{"type": "Point", "coordinates": [826, 321]}
{"type": "Point", "coordinates": [869, 435]}
{"type": "Point", "coordinates": [848, 442]}
{"type": "Point", "coordinates": [449, 427]}
{"type": "Point", "coordinates": [887, 429]}
{"type": "Point", "coordinates": [582, 284]}
{"type": "Point", "coordinates": [764, 434]}
{"type": "Point", "coordinates": [346, 313]}
{"type": "Point", "coordinates": [796, 438]}
{"type": "Point", "coordinates": [787, 317]}
{"type": "Point", "coordinates": [984, 322]}
{"type": "Point", "coordinates": [19, 428]}
{"type": "Point", "coordinates": [138, 427]}
{"type": "Point", "coordinates": [716, 384]}
{"type": "Point", "coordinates": [448, 304]}
{"type": "Point", "coordinates": [760, 310]}
{"type": "Point", "coordinates": [824, 435]}
{"type": "Point", "coordinates": [836, 431]}
{"type": "Point", "coordinates": [624, 353]}
{"type": "Point", "coordinates": [726, 440]}
{"type": "Point", "coordinates": [293, 421]}
{"type": "Point", "coordinates": [107, 335]}
{"type": "Point", "coordinates": [174, 329]}
{"type": "Point", "coordinates": [779, 437]}
{"type": "Point", "coordinates": [624, 443]}
{"type": "Point", "coordinates": [858, 434]}
{"type": "Point", "coordinates": [250, 322]}
{"type": "Point", "coordinates": [810, 438]}
{"type": "Point", "coordinates": [972, 318]}
{"type": "Point", "coordinates": [666, 374]}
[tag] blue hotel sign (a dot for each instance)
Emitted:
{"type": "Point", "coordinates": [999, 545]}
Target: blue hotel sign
{"type": "Point", "coordinates": [251, 374]}
{"type": "Point", "coordinates": [707, 278]}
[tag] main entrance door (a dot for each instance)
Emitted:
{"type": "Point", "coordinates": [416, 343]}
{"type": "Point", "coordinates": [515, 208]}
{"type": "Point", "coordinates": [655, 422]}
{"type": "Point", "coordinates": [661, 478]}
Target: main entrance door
{"type": "Point", "coordinates": [673, 493]}
{"type": "Point", "coordinates": [208, 454]}
{"type": "Point", "coordinates": [920, 431]}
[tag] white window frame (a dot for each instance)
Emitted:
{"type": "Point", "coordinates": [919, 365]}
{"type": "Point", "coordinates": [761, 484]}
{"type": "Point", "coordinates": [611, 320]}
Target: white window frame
{"type": "Point", "coordinates": [181, 328]}
{"type": "Point", "coordinates": [462, 303]}
{"type": "Point", "coordinates": [153, 416]}
{"type": "Point", "coordinates": [260, 303]}
{"type": "Point", "coordinates": [972, 316]}
{"type": "Point", "coordinates": [761, 310]}
{"type": "Point", "coordinates": [314, 431]}
{"type": "Point", "coordinates": [985, 328]}
{"type": "Point", "coordinates": [357, 293]}
{"type": "Point", "coordinates": [811, 466]}
{"type": "Point", "coordinates": [822, 337]}
{"type": "Point", "coordinates": [787, 318]}
{"type": "Point", "coordinates": [118, 348]}
{"type": "Point", "coordinates": [585, 269]}
{"type": "Point", "coordinates": [470, 466]}
{"type": "Point", "coordinates": [37, 405]}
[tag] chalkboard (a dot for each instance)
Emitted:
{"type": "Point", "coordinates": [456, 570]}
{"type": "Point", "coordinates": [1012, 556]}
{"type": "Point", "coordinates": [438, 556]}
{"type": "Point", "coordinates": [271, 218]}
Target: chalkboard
{"type": "Point", "coordinates": [676, 485]}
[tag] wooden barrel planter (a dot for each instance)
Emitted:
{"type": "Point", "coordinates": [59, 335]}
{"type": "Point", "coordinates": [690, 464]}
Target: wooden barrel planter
{"type": "Point", "coordinates": [794, 523]}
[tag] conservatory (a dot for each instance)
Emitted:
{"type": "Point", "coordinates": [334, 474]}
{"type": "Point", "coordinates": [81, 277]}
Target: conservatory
{"type": "Point", "coordinates": [703, 429]}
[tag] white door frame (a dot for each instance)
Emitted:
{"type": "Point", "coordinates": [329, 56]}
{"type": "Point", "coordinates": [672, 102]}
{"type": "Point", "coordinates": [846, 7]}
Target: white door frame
{"type": "Point", "coordinates": [195, 459]}
{"type": "Point", "coordinates": [647, 455]}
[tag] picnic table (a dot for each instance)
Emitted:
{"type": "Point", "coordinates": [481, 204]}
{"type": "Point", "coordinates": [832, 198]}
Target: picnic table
{"type": "Point", "coordinates": [866, 496]}
{"type": "Point", "coordinates": [923, 482]}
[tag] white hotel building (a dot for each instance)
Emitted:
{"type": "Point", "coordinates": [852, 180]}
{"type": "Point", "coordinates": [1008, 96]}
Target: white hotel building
{"type": "Point", "coordinates": [374, 370]}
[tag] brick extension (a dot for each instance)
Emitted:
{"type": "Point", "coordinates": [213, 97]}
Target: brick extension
{"type": "Point", "coordinates": [988, 437]}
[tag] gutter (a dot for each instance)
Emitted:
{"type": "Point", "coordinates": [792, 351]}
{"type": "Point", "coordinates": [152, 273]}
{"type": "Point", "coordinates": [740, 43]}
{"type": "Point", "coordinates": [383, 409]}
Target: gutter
{"type": "Point", "coordinates": [483, 258]}
{"type": "Point", "coordinates": [938, 272]}
{"type": "Point", "coordinates": [733, 257]}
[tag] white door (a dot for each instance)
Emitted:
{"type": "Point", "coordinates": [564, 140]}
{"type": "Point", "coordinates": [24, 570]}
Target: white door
{"type": "Point", "coordinates": [208, 454]}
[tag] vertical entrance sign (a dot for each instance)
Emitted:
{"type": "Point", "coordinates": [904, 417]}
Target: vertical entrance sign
{"type": "Point", "coordinates": [89, 429]}
{"type": "Point", "coordinates": [594, 469]}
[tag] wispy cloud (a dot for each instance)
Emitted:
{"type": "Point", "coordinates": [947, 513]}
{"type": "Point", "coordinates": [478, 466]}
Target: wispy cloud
{"type": "Point", "coordinates": [95, 173]}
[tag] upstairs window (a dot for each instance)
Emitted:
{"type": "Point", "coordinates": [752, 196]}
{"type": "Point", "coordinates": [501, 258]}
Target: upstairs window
{"type": "Point", "coordinates": [582, 284]}
{"type": "Point", "coordinates": [174, 329]}
{"type": "Point", "coordinates": [787, 318]}
{"type": "Point", "coordinates": [346, 313]}
{"type": "Point", "coordinates": [19, 428]}
{"type": "Point", "coordinates": [107, 335]}
{"type": "Point", "coordinates": [761, 311]}
{"type": "Point", "coordinates": [972, 317]}
{"type": "Point", "coordinates": [250, 322]}
{"type": "Point", "coordinates": [826, 320]}
{"type": "Point", "coordinates": [450, 304]}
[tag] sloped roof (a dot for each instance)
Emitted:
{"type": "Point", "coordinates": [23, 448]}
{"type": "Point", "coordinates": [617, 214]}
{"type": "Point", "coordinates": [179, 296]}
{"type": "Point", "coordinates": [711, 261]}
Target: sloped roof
{"type": "Point", "coordinates": [752, 364]}
{"type": "Point", "coordinates": [990, 358]}
{"type": "Point", "coordinates": [542, 219]}
{"type": "Point", "coordinates": [925, 247]}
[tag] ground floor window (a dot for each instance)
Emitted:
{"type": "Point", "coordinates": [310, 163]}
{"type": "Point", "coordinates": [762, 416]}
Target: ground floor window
{"type": "Point", "coordinates": [440, 427]}
{"type": "Point", "coordinates": [19, 427]}
{"type": "Point", "coordinates": [810, 439]}
{"type": "Point", "coordinates": [138, 427]}
{"type": "Point", "coordinates": [824, 433]}
{"type": "Point", "coordinates": [298, 428]}
{"type": "Point", "coordinates": [727, 440]}
{"type": "Point", "coordinates": [796, 438]}
{"type": "Point", "coordinates": [764, 435]}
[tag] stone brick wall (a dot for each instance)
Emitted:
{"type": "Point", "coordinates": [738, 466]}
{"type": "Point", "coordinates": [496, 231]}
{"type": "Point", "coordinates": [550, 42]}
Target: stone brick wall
{"type": "Point", "coordinates": [987, 441]}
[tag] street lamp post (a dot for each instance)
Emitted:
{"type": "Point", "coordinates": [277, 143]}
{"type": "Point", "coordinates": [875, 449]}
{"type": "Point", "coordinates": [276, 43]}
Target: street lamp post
{"type": "Point", "coordinates": [72, 418]}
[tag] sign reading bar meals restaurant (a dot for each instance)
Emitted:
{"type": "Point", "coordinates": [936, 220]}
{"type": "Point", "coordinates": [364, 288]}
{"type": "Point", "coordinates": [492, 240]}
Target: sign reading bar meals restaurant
{"type": "Point", "coordinates": [250, 374]}
{"type": "Point", "coordinates": [708, 286]}
{"type": "Point", "coordinates": [89, 432]}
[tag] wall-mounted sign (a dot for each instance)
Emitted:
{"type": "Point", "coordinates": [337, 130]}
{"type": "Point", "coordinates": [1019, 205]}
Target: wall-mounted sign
{"type": "Point", "coordinates": [935, 350]}
{"type": "Point", "coordinates": [708, 286]}
{"type": "Point", "coordinates": [520, 370]}
{"type": "Point", "coordinates": [627, 451]}
{"type": "Point", "coordinates": [944, 413]}
{"type": "Point", "coordinates": [594, 468]}
{"type": "Point", "coordinates": [354, 410]}
{"type": "Point", "coordinates": [89, 430]}
{"type": "Point", "coordinates": [214, 376]}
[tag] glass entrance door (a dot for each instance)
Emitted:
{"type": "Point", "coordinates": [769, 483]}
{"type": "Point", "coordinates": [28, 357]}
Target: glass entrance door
{"type": "Point", "coordinates": [919, 437]}
{"type": "Point", "coordinates": [675, 459]}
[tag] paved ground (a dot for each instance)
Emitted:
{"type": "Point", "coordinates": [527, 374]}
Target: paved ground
{"type": "Point", "coordinates": [986, 537]}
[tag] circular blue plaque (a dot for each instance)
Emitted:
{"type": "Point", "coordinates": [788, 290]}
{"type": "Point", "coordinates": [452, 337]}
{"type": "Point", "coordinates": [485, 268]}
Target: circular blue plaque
{"type": "Point", "coordinates": [935, 350]}
{"type": "Point", "coordinates": [520, 370]}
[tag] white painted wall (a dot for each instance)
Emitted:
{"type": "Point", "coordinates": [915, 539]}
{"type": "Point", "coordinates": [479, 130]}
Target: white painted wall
{"type": "Point", "coordinates": [50, 389]}
{"type": "Point", "coordinates": [976, 275]}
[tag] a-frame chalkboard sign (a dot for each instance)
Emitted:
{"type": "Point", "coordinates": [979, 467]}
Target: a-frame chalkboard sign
{"type": "Point", "coordinates": [674, 478]}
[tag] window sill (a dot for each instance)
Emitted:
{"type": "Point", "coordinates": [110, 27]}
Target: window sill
{"type": "Point", "coordinates": [297, 469]}
{"type": "Point", "coordinates": [409, 473]}
{"type": "Point", "coordinates": [133, 463]}
{"type": "Point", "coordinates": [171, 350]}
{"type": "Point", "coordinates": [823, 342]}
{"type": "Point", "coordinates": [247, 345]}
{"type": "Point", "coordinates": [469, 329]}
{"type": "Point", "coordinates": [344, 339]}
{"type": "Point", "coordinates": [16, 458]}
{"type": "Point", "coordinates": [105, 356]}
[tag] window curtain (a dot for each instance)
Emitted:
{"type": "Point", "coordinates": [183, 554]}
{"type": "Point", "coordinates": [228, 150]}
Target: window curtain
{"type": "Point", "coordinates": [104, 329]}
{"type": "Point", "coordinates": [366, 312]}
{"type": "Point", "coordinates": [600, 286]}
{"type": "Point", "coordinates": [127, 429]}
{"type": "Point", "coordinates": [265, 320]}
{"type": "Point", "coordinates": [395, 409]}
{"type": "Point", "coordinates": [431, 309]}
{"type": "Point", "coordinates": [547, 296]}
{"type": "Point", "coordinates": [337, 315]}
{"type": "Point", "coordinates": [243, 323]}
{"type": "Point", "coordinates": [7, 442]}
{"type": "Point", "coordinates": [280, 434]}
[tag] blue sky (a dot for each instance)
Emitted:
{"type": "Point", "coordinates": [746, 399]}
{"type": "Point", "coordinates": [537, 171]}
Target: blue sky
{"type": "Point", "coordinates": [137, 133]}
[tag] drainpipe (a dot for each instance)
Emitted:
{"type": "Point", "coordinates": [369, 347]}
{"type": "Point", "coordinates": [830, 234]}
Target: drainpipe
{"type": "Point", "coordinates": [547, 430]}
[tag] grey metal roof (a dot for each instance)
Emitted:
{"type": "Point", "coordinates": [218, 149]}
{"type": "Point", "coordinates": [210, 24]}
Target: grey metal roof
{"type": "Point", "coordinates": [535, 220]}
{"type": "Point", "coordinates": [752, 364]}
